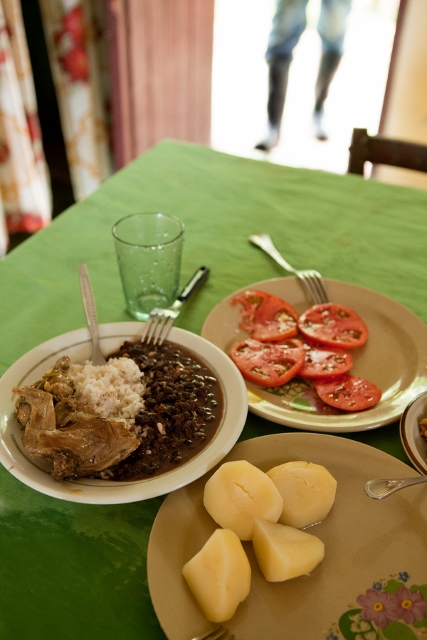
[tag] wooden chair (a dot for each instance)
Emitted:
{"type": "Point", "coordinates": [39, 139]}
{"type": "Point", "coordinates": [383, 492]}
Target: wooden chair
{"type": "Point", "coordinates": [381, 150]}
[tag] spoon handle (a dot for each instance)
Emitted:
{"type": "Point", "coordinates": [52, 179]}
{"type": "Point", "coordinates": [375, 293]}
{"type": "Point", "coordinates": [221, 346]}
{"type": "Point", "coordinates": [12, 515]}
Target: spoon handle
{"type": "Point", "coordinates": [90, 312]}
{"type": "Point", "coordinates": [379, 489]}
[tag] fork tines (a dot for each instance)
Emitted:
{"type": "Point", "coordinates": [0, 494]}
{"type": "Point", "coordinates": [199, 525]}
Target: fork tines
{"type": "Point", "coordinates": [315, 285]}
{"type": "Point", "coordinates": [158, 326]}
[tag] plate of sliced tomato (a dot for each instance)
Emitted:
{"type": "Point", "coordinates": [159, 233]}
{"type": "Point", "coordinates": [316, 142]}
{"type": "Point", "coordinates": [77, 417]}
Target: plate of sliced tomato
{"type": "Point", "coordinates": [351, 365]}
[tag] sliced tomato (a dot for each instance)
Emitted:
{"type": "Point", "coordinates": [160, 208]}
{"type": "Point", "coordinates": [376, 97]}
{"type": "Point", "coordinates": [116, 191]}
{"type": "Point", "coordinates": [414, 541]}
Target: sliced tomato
{"type": "Point", "coordinates": [334, 325]}
{"type": "Point", "coordinates": [266, 317]}
{"type": "Point", "coordinates": [267, 363]}
{"type": "Point", "coordinates": [322, 362]}
{"type": "Point", "coordinates": [349, 393]}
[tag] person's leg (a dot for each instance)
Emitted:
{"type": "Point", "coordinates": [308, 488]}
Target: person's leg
{"type": "Point", "coordinates": [289, 23]}
{"type": "Point", "coordinates": [278, 71]}
{"type": "Point", "coordinates": [331, 28]}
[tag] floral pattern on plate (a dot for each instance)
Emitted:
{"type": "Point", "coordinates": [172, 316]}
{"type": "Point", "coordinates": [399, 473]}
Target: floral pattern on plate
{"type": "Point", "coordinates": [391, 609]}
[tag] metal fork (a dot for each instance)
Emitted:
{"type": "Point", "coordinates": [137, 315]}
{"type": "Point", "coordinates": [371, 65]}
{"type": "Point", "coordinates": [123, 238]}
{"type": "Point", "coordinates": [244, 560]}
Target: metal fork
{"type": "Point", "coordinates": [220, 633]}
{"type": "Point", "coordinates": [160, 321]}
{"type": "Point", "coordinates": [312, 280]}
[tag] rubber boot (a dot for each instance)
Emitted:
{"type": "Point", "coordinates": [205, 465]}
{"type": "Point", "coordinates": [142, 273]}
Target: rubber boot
{"type": "Point", "coordinates": [278, 72]}
{"type": "Point", "coordinates": [328, 65]}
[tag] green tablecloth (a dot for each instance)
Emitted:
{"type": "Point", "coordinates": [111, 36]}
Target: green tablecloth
{"type": "Point", "coordinates": [72, 570]}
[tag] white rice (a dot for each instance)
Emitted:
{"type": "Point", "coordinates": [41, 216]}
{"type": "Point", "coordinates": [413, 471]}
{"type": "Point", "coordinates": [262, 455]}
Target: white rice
{"type": "Point", "coordinates": [114, 390]}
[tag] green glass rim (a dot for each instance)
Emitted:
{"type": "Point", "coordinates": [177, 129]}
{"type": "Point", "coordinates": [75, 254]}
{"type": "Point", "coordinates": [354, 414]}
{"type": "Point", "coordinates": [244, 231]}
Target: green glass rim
{"type": "Point", "coordinates": [180, 224]}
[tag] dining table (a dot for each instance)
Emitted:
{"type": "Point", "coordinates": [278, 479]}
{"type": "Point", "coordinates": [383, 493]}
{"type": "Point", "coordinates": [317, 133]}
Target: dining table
{"type": "Point", "coordinates": [72, 570]}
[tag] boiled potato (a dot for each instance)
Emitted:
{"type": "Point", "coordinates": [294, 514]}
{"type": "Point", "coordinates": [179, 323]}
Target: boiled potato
{"type": "Point", "coordinates": [237, 493]}
{"type": "Point", "coordinates": [308, 491]}
{"type": "Point", "coordinates": [219, 575]}
{"type": "Point", "coordinates": [283, 552]}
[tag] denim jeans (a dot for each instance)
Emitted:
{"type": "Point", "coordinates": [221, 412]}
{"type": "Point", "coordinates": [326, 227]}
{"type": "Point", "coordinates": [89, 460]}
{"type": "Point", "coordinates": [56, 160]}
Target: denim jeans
{"type": "Point", "coordinates": [290, 21]}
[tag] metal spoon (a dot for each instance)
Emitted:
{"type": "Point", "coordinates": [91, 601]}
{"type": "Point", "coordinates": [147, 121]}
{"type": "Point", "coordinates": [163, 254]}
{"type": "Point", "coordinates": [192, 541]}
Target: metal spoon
{"type": "Point", "coordinates": [380, 489]}
{"type": "Point", "coordinates": [90, 310]}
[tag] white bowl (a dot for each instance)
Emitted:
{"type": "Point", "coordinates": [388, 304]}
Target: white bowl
{"type": "Point", "coordinates": [413, 443]}
{"type": "Point", "coordinates": [76, 344]}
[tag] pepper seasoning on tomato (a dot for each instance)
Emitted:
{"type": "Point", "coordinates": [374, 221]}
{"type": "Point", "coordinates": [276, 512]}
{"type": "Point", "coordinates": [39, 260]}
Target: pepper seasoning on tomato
{"type": "Point", "coordinates": [349, 393]}
{"type": "Point", "coordinates": [324, 362]}
{"type": "Point", "coordinates": [334, 325]}
{"type": "Point", "coordinates": [268, 364]}
{"type": "Point", "coordinates": [266, 317]}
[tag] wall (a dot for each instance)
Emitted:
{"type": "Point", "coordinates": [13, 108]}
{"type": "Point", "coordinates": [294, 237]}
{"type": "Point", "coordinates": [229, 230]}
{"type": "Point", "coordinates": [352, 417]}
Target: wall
{"type": "Point", "coordinates": [405, 109]}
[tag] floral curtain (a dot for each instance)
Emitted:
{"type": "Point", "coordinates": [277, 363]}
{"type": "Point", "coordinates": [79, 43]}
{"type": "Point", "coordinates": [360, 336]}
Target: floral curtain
{"type": "Point", "coordinates": [25, 200]}
{"type": "Point", "coordinates": [74, 31]}
{"type": "Point", "coordinates": [76, 42]}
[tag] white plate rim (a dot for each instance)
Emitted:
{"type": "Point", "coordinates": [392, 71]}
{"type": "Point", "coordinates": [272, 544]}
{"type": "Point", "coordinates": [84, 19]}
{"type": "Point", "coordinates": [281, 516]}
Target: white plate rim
{"type": "Point", "coordinates": [106, 492]}
{"type": "Point", "coordinates": [377, 416]}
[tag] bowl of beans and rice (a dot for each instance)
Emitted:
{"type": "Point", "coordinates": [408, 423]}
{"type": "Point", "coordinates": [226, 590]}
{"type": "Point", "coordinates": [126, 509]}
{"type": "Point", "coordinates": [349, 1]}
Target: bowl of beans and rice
{"type": "Point", "coordinates": [188, 408]}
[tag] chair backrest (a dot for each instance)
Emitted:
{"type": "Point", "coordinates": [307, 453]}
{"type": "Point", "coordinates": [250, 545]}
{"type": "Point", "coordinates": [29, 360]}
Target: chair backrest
{"type": "Point", "coordinates": [381, 150]}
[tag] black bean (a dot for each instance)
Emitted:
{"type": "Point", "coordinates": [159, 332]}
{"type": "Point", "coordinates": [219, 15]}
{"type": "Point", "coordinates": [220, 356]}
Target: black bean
{"type": "Point", "coordinates": [183, 396]}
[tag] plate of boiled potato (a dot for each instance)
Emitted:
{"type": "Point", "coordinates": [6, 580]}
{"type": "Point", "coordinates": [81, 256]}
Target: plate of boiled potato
{"type": "Point", "coordinates": [280, 539]}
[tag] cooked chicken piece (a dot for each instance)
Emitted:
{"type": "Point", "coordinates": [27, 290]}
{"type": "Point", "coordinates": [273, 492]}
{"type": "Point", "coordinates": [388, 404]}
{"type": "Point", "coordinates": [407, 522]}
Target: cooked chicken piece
{"type": "Point", "coordinates": [56, 381]}
{"type": "Point", "coordinates": [69, 410]}
{"type": "Point", "coordinates": [23, 411]}
{"type": "Point", "coordinates": [84, 447]}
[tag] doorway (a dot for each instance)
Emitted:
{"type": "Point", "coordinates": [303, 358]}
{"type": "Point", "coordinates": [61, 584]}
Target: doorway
{"type": "Point", "coordinates": [239, 83]}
